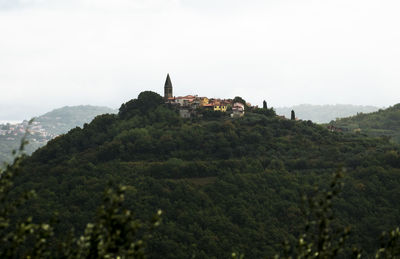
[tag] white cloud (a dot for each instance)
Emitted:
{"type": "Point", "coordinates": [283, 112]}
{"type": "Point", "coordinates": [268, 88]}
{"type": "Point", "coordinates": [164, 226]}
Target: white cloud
{"type": "Point", "coordinates": [55, 53]}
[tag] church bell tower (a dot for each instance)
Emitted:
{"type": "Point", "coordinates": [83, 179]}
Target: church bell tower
{"type": "Point", "coordinates": [168, 88]}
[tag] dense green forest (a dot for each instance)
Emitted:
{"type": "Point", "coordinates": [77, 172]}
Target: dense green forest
{"type": "Point", "coordinates": [45, 127]}
{"type": "Point", "coordinates": [381, 123]}
{"type": "Point", "coordinates": [223, 184]}
{"type": "Point", "coordinates": [324, 113]}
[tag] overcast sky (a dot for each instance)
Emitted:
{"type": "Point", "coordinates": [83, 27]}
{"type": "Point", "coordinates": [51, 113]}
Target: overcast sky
{"type": "Point", "coordinates": [69, 52]}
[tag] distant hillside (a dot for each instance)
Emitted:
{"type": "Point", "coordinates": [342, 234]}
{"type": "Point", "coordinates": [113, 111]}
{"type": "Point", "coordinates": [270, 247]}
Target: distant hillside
{"type": "Point", "coordinates": [46, 127]}
{"type": "Point", "coordinates": [60, 121]}
{"type": "Point", "coordinates": [324, 113]}
{"type": "Point", "coordinates": [381, 123]}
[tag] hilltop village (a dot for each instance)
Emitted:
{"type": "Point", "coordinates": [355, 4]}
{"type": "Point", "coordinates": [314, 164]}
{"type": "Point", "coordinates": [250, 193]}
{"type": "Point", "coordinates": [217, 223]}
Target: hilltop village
{"type": "Point", "coordinates": [194, 106]}
{"type": "Point", "coordinates": [190, 105]}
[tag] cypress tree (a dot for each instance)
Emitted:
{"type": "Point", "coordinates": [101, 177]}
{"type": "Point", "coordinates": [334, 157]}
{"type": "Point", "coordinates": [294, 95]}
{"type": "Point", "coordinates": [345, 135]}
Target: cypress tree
{"type": "Point", "coordinates": [292, 116]}
{"type": "Point", "coordinates": [265, 105]}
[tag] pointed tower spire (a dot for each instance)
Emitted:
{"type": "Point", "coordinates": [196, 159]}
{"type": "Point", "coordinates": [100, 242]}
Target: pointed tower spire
{"type": "Point", "coordinates": [167, 88]}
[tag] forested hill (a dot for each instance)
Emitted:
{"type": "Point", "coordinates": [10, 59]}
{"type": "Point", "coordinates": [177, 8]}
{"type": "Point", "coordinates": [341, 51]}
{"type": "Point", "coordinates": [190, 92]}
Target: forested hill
{"type": "Point", "coordinates": [324, 113]}
{"type": "Point", "coordinates": [381, 123]}
{"type": "Point", "coordinates": [224, 184]}
{"type": "Point", "coordinates": [46, 127]}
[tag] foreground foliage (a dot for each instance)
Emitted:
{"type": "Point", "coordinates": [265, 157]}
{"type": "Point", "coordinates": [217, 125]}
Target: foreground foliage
{"type": "Point", "coordinates": [114, 233]}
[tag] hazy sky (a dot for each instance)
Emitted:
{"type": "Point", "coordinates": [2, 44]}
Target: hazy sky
{"type": "Point", "coordinates": [69, 52]}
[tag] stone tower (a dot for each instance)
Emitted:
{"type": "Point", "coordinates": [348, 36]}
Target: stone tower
{"type": "Point", "coordinates": [167, 88]}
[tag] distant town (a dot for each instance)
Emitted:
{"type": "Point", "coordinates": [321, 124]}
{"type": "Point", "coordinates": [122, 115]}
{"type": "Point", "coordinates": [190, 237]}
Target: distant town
{"type": "Point", "coordinates": [44, 128]}
{"type": "Point", "coordinates": [36, 132]}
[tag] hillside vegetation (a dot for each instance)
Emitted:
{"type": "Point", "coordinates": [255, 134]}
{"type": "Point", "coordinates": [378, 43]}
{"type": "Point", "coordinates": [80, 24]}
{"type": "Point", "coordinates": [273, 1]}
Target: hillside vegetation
{"type": "Point", "coordinates": [324, 113]}
{"type": "Point", "coordinates": [224, 184]}
{"type": "Point", "coordinates": [381, 123]}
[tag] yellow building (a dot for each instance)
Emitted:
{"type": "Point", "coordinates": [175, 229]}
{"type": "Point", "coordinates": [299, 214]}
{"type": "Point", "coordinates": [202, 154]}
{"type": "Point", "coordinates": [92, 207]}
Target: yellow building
{"type": "Point", "coordinates": [203, 101]}
{"type": "Point", "coordinates": [221, 108]}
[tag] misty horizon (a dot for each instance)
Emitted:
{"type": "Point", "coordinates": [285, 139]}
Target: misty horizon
{"type": "Point", "coordinates": [283, 111]}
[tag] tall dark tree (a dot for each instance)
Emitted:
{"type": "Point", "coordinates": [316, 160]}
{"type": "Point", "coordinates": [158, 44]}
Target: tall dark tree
{"type": "Point", "coordinates": [265, 105]}
{"type": "Point", "coordinates": [292, 116]}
